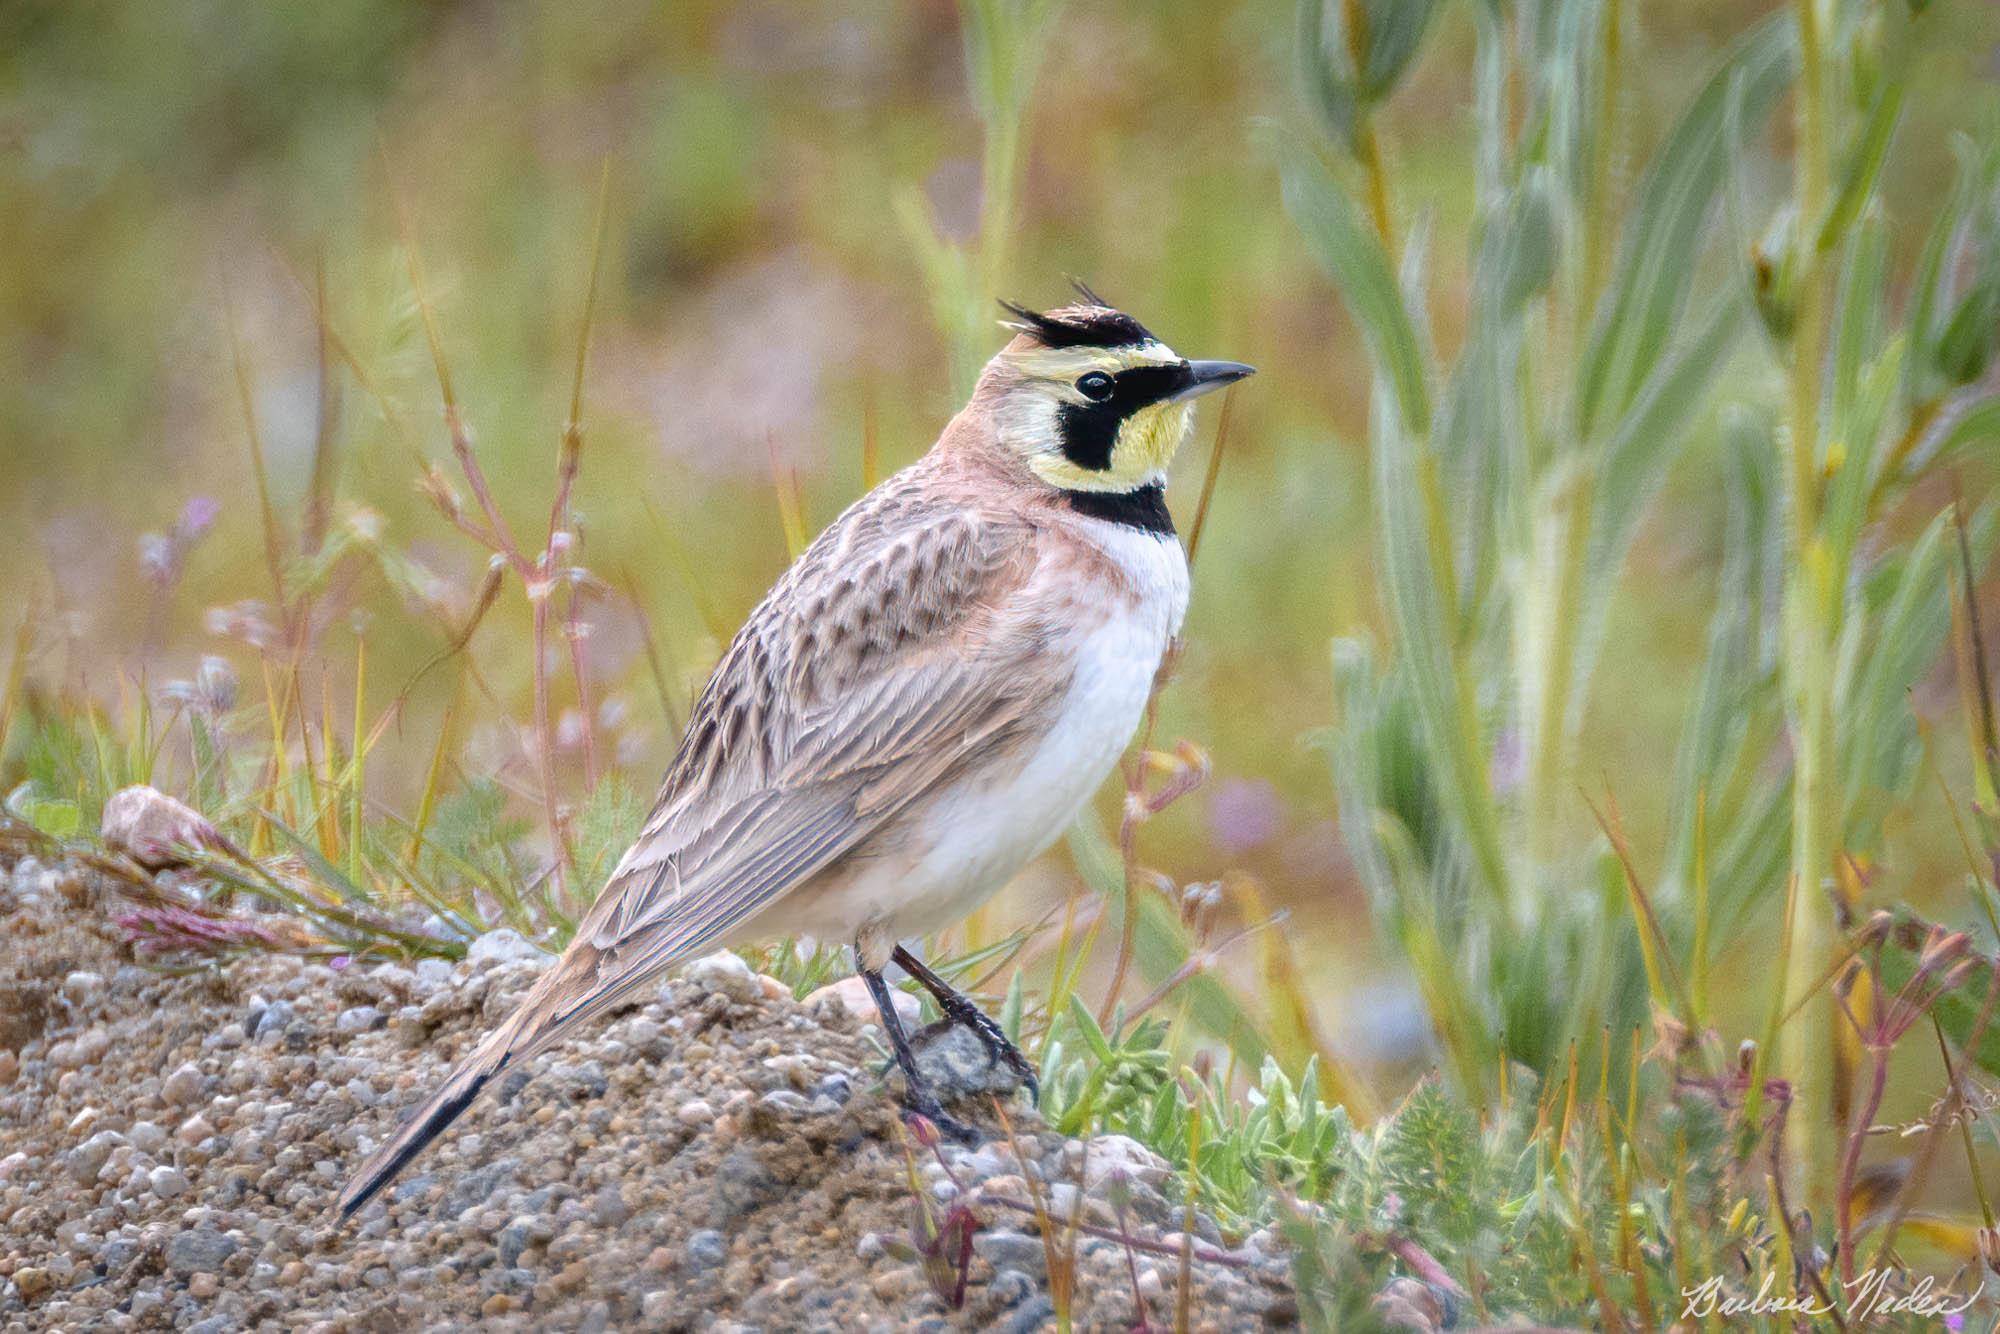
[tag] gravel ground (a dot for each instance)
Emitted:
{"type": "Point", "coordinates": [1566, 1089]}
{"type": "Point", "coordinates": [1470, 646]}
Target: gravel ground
{"type": "Point", "coordinates": [720, 1158]}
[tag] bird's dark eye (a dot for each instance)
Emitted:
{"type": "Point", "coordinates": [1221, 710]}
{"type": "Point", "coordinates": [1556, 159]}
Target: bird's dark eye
{"type": "Point", "coordinates": [1095, 386]}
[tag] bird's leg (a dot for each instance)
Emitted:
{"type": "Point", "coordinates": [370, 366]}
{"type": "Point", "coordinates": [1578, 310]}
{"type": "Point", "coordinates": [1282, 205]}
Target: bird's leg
{"type": "Point", "coordinates": [959, 1009]}
{"type": "Point", "coordinates": [917, 1095]}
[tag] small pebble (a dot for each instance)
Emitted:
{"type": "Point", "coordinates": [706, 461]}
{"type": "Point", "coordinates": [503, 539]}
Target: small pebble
{"type": "Point", "coordinates": [183, 1086]}
{"type": "Point", "coordinates": [706, 1249]}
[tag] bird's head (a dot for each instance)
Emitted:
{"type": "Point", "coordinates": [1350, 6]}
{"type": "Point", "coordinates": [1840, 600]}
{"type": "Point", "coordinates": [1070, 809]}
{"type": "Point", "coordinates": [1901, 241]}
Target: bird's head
{"type": "Point", "coordinates": [1090, 400]}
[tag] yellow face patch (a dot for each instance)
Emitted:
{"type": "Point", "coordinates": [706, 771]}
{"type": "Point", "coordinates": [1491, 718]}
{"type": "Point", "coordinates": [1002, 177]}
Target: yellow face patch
{"type": "Point", "coordinates": [1142, 451]}
{"type": "Point", "coordinates": [1096, 418]}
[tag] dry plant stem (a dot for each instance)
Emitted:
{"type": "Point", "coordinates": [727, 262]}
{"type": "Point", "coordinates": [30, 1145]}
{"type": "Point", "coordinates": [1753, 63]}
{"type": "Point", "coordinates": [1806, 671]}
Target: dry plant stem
{"type": "Point", "coordinates": [1184, 1281]}
{"type": "Point", "coordinates": [1988, 745]}
{"type": "Point", "coordinates": [540, 573]}
{"type": "Point", "coordinates": [319, 497]}
{"type": "Point", "coordinates": [1419, 1261]}
{"type": "Point", "coordinates": [1145, 1325]}
{"type": "Point", "coordinates": [274, 560]}
{"type": "Point", "coordinates": [1200, 962]}
{"type": "Point", "coordinates": [1857, 1136]}
{"type": "Point", "coordinates": [575, 632]}
{"type": "Point", "coordinates": [1788, 1223]}
{"type": "Point", "coordinates": [1135, 811]}
{"type": "Point", "coordinates": [569, 460]}
{"type": "Point", "coordinates": [1957, 1092]}
{"type": "Point", "coordinates": [1209, 477]}
{"type": "Point", "coordinates": [662, 686]}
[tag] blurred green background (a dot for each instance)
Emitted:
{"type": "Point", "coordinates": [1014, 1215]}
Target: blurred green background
{"type": "Point", "coordinates": [170, 170]}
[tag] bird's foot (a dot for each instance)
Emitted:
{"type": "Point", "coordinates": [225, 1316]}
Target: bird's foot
{"type": "Point", "coordinates": [959, 1011]}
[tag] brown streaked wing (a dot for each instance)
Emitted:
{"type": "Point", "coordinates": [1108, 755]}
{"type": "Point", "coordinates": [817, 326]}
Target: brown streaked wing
{"type": "Point", "coordinates": [871, 672]}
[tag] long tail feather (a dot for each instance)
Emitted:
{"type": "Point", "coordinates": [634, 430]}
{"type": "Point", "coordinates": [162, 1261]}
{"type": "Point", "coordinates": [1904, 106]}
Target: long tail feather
{"type": "Point", "coordinates": [438, 1111]}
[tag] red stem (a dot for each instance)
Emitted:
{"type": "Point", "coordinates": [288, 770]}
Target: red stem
{"type": "Point", "coordinates": [1857, 1135]}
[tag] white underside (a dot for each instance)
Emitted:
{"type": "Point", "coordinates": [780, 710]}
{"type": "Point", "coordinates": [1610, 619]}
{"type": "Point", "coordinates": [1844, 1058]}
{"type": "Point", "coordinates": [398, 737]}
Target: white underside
{"type": "Point", "coordinates": [950, 854]}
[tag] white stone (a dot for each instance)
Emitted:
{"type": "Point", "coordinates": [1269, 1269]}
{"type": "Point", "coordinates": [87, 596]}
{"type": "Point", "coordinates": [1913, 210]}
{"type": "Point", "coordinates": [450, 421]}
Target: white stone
{"type": "Point", "coordinates": [724, 971]}
{"type": "Point", "coordinates": [850, 996]}
{"type": "Point", "coordinates": [504, 945]}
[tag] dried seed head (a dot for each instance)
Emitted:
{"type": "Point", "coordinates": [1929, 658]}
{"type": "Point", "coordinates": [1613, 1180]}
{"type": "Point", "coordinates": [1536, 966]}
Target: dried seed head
{"type": "Point", "coordinates": [1960, 974]}
{"type": "Point", "coordinates": [1942, 949]}
{"type": "Point", "coordinates": [216, 682]}
{"type": "Point", "coordinates": [922, 1130]}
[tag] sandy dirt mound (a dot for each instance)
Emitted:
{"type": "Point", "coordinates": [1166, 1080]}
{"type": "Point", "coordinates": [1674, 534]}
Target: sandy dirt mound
{"type": "Point", "coordinates": [718, 1158]}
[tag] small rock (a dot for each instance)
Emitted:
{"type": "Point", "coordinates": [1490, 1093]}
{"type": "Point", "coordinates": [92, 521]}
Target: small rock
{"type": "Point", "coordinates": [695, 1113]}
{"type": "Point", "coordinates": [152, 828]}
{"type": "Point", "coordinates": [1031, 1316]}
{"type": "Point", "coordinates": [275, 1019]}
{"type": "Point", "coordinates": [1011, 1250]}
{"type": "Point", "coordinates": [516, 1239]}
{"type": "Point", "coordinates": [202, 1250]}
{"type": "Point", "coordinates": [88, 1157]}
{"type": "Point", "coordinates": [359, 1019]}
{"type": "Point", "coordinates": [706, 1249]}
{"type": "Point", "coordinates": [502, 946]}
{"type": "Point", "coordinates": [147, 1137]}
{"type": "Point", "coordinates": [1010, 1287]}
{"type": "Point", "coordinates": [167, 1182]}
{"type": "Point", "coordinates": [725, 972]}
{"type": "Point", "coordinates": [10, 1066]}
{"type": "Point", "coordinates": [34, 1283]}
{"type": "Point", "coordinates": [194, 1130]}
{"type": "Point", "coordinates": [80, 986]}
{"type": "Point", "coordinates": [850, 997]}
{"type": "Point", "coordinates": [1109, 1156]}
{"type": "Point", "coordinates": [433, 973]}
{"type": "Point", "coordinates": [114, 1255]}
{"type": "Point", "coordinates": [785, 1102]}
{"type": "Point", "coordinates": [743, 1185]}
{"type": "Point", "coordinates": [958, 1066]}
{"type": "Point", "coordinates": [202, 1286]}
{"type": "Point", "coordinates": [655, 1307]}
{"type": "Point", "coordinates": [608, 1208]}
{"type": "Point", "coordinates": [183, 1086]}
{"type": "Point", "coordinates": [1407, 1303]}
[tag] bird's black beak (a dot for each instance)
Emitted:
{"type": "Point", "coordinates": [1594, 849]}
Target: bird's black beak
{"type": "Point", "coordinates": [1204, 376]}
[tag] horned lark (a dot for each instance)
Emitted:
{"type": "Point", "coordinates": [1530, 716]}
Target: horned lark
{"type": "Point", "coordinates": [921, 705]}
